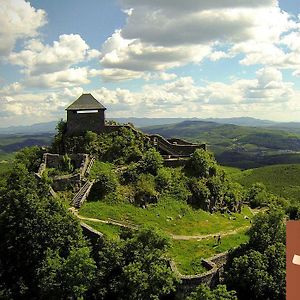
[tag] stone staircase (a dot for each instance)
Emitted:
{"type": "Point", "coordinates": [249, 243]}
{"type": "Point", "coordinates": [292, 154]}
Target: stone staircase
{"type": "Point", "coordinates": [90, 165]}
{"type": "Point", "coordinates": [82, 194]}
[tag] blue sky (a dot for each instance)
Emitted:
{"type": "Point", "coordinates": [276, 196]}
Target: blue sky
{"type": "Point", "coordinates": [150, 58]}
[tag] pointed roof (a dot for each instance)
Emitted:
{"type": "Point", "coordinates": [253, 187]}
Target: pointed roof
{"type": "Point", "coordinates": [86, 102]}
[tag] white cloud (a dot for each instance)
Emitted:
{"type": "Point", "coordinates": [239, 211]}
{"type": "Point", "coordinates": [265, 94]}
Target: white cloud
{"type": "Point", "coordinates": [116, 74]}
{"type": "Point", "coordinates": [18, 20]}
{"type": "Point", "coordinates": [65, 78]}
{"type": "Point", "coordinates": [51, 65]}
{"type": "Point", "coordinates": [38, 58]}
{"type": "Point", "coordinates": [160, 35]}
{"type": "Point", "coordinates": [185, 97]}
{"type": "Point", "coordinates": [137, 56]}
{"type": "Point", "coordinates": [180, 96]}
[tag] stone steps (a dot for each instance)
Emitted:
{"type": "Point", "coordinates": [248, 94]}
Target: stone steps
{"type": "Point", "coordinates": [82, 194]}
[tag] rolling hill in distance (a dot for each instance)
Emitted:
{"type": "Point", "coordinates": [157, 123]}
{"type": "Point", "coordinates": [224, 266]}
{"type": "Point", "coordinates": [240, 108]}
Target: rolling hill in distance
{"type": "Point", "coordinates": [146, 122]}
{"type": "Point", "coordinates": [238, 142]}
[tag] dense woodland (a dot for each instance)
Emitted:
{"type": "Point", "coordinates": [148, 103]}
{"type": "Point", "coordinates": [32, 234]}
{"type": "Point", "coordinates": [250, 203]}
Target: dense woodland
{"type": "Point", "coordinates": [44, 255]}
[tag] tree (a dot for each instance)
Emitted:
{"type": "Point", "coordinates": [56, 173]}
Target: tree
{"type": "Point", "coordinates": [203, 292]}
{"type": "Point", "coordinates": [200, 193]}
{"type": "Point", "coordinates": [32, 225]}
{"type": "Point", "coordinates": [106, 180]}
{"type": "Point", "coordinates": [134, 268]}
{"type": "Point", "coordinates": [257, 270]}
{"type": "Point", "coordinates": [257, 195]}
{"type": "Point", "coordinates": [267, 229]}
{"type": "Point", "coordinates": [145, 190]}
{"type": "Point", "coordinates": [201, 164]}
{"type": "Point", "coordinates": [151, 162]}
{"type": "Point", "coordinates": [31, 157]}
{"type": "Point", "coordinates": [58, 144]}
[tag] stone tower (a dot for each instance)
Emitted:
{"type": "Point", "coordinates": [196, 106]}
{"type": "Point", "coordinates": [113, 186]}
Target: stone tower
{"type": "Point", "coordinates": [85, 114]}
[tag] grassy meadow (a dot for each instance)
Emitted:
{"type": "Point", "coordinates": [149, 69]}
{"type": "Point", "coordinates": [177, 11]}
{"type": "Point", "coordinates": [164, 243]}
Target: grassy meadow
{"type": "Point", "coordinates": [174, 218]}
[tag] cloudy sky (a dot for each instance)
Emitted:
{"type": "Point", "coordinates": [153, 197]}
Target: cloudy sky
{"type": "Point", "coordinates": [150, 58]}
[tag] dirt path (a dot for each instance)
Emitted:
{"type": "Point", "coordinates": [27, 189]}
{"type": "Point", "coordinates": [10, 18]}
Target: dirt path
{"type": "Point", "coordinates": [111, 222]}
{"type": "Point", "coordinates": [173, 236]}
{"type": "Point", "coordinates": [207, 236]}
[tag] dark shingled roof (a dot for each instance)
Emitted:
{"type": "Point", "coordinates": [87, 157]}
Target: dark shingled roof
{"type": "Point", "coordinates": [86, 102]}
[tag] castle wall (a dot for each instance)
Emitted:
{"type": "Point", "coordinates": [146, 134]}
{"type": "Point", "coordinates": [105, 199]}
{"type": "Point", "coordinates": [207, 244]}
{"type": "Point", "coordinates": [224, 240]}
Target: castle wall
{"type": "Point", "coordinates": [79, 123]}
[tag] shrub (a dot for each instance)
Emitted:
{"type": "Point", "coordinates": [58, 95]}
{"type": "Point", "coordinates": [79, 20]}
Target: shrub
{"type": "Point", "coordinates": [151, 162]}
{"type": "Point", "coordinates": [201, 164]}
{"type": "Point", "coordinates": [106, 180]}
{"type": "Point", "coordinates": [145, 190]}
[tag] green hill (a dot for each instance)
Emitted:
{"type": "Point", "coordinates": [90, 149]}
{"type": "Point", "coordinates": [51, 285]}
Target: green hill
{"type": "Point", "coordinates": [282, 180]}
{"type": "Point", "coordinates": [238, 146]}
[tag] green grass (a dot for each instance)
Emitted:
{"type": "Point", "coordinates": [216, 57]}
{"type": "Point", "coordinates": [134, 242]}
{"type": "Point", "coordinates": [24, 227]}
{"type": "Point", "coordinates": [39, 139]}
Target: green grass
{"type": "Point", "coordinates": [112, 232]}
{"type": "Point", "coordinates": [282, 180]}
{"type": "Point", "coordinates": [188, 254]}
{"type": "Point", "coordinates": [169, 215]}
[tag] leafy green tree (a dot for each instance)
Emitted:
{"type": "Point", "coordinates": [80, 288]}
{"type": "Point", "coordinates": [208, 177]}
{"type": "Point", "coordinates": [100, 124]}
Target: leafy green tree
{"type": "Point", "coordinates": [202, 164]}
{"type": "Point", "coordinates": [134, 268]}
{"type": "Point", "coordinates": [257, 269]}
{"type": "Point", "coordinates": [267, 229]}
{"type": "Point", "coordinates": [31, 157]}
{"type": "Point", "coordinates": [106, 180]}
{"type": "Point", "coordinates": [31, 224]}
{"type": "Point", "coordinates": [257, 195]}
{"type": "Point", "coordinates": [164, 179]}
{"type": "Point", "coordinates": [151, 162]}
{"type": "Point", "coordinates": [203, 292]}
{"type": "Point", "coordinates": [145, 190]}
{"type": "Point", "coordinates": [58, 145]}
{"type": "Point", "coordinates": [70, 277]}
{"type": "Point", "coordinates": [200, 193]}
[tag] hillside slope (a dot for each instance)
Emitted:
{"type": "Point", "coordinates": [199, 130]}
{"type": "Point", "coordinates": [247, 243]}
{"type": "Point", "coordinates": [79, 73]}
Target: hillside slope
{"type": "Point", "coordinates": [240, 146]}
{"type": "Point", "coordinates": [282, 180]}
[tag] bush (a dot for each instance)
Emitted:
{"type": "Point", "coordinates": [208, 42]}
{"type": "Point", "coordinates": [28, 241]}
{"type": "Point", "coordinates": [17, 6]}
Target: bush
{"type": "Point", "coordinates": [164, 179]}
{"type": "Point", "coordinates": [200, 194]}
{"type": "Point", "coordinates": [106, 180]}
{"type": "Point", "coordinates": [151, 162]}
{"type": "Point", "coordinates": [145, 190]}
{"type": "Point", "coordinates": [201, 164]}
{"type": "Point", "coordinates": [257, 195]}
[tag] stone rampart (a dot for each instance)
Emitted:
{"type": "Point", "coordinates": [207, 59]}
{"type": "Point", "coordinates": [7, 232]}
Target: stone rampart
{"type": "Point", "coordinates": [212, 277]}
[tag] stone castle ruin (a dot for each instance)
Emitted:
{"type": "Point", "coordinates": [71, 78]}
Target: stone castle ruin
{"type": "Point", "coordinates": [88, 114]}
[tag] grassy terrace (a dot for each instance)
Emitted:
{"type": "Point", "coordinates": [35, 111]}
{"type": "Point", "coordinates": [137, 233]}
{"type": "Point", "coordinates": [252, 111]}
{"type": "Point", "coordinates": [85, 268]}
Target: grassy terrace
{"type": "Point", "coordinates": [171, 216]}
{"type": "Point", "coordinates": [177, 218]}
{"type": "Point", "coordinates": [188, 254]}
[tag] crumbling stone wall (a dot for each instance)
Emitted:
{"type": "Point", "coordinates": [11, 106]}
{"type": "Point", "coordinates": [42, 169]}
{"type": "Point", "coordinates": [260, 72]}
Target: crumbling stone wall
{"type": "Point", "coordinates": [67, 182]}
{"type": "Point", "coordinates": [212, 277]}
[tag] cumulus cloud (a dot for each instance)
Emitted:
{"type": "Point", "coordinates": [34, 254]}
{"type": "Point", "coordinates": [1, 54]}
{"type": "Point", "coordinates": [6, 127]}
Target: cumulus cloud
{"type": "Point", "coordinates": [178, 96]}
{"type": "Point", "coordinates": [38, 58]}
{"type": "Point", "coordinates": [183, 96]}
{"type": "Point", "coordinates": [137, 56]}
{"type": "Point", "coordinates": [159, 35]}
{"type": "Point", "coordinates": [23, 108]}
{"type": "Point", "coordinates": [18, 20]}
{"type": "Point", "coordinates": [51, 65]}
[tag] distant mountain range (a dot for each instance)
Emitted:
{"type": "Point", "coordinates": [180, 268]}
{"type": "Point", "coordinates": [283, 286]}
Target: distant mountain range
{"type": "Point", "coordinates": [49, 127]}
